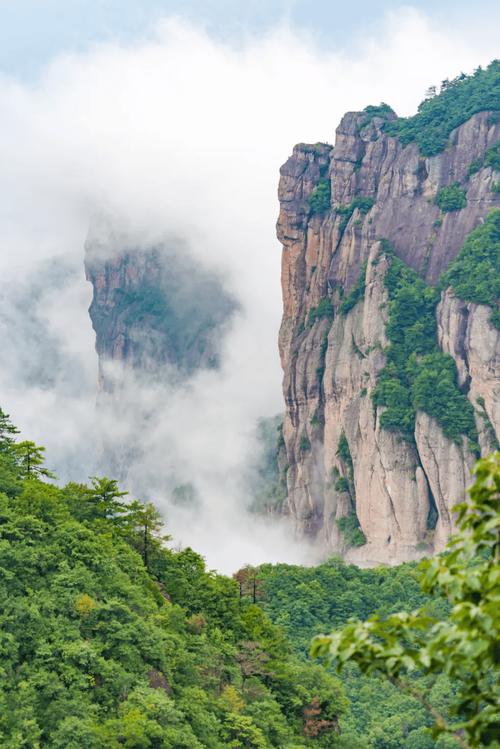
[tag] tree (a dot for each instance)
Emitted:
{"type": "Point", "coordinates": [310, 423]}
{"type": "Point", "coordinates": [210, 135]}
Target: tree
{"type": "Point", "coordinates": [7, 432]}
{"type": "Point", "coordinates": [249, 582]}
{"type": "Point", "coordinates": [105, 497]}
{"type": "Point", "coordinates": [30, 459]}
{"type": "Point", "coordinates": [145, 523]}
{"type": "Point", "coordinates": [465, 645]}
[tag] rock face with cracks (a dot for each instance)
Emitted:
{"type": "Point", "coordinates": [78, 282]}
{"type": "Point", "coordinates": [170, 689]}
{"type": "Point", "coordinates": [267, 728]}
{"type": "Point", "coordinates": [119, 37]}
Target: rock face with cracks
{"type": "Point", "coordinates": [155, 310]}
{"type": "Point", "coordinates": [342, 467]}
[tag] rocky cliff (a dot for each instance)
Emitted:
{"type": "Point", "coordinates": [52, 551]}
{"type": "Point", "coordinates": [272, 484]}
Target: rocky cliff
{"type": "Point", "coordinates": [154, 309]}
{"type": "Point", "coordinates": [381, 426]}
{"type": "Point", "coordinates": [159, 318]}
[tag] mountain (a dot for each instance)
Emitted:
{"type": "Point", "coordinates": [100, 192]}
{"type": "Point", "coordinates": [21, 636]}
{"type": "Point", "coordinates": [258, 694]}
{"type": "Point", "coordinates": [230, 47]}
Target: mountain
{"type": "Point", "coordinates": [155, 309]}
{"type": "Point", "coordinates": [390, 340]}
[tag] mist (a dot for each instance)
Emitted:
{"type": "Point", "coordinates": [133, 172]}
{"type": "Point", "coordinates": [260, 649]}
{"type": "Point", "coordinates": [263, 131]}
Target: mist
{"type": "Point", "coordinates": [177, 135]}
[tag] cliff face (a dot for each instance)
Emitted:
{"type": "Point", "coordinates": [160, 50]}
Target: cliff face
{"type": "Point", "coordinates": [362, 489]}
{"type": "Point", "coordinates": [154, 309]}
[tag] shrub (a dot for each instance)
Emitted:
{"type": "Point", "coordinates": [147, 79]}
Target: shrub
{"type": "Point", "coordinates": [324, 309]}
{"type": "Point", "coordinates": [362, 202]}
{"type": "Point", "coordinates": [451, 198]}
{"type": "Point", "coordinates": [342, 484]}
{"type": "Point", "coordinates": [319, 199]}
{"type": "Point", "coordinates": [343, 450]}
{"type": "Point", "coordinates": [492, 157]}
{"type": "Point", "coordinates": [305, 443]}
{"type": "Point", "coordinates": [474, 167]}
{"type": "Point", "coordinates": [350, 529]}
{"type": "Point", "coordinates": [474, 275]}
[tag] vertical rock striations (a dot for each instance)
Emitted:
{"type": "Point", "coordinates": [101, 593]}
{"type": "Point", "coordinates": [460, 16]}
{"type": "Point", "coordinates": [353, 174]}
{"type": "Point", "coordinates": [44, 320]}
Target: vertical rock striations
{"type": "Point", "coordinates": [154, 309]}
{"type": "Point", "coordinates": [369, 491]}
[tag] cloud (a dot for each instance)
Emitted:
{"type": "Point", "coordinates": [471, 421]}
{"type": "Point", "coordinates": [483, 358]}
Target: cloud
{"type": "Point", "coordinates": [179, 135]}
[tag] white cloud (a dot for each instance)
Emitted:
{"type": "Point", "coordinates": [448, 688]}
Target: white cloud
{"type": "Point", "coordinates": [184, 135]}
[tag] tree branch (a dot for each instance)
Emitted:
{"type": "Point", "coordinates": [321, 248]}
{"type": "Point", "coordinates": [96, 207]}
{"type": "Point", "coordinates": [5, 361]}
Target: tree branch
{"type": "Point", "coordinates": [440, 719]}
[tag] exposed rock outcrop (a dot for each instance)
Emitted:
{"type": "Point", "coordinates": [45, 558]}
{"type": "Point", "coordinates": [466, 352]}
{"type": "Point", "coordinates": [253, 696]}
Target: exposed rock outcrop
{"type": "Point", "coordinates": [154, 309]}
{"type": "Point", "coordinates": [341, 463]}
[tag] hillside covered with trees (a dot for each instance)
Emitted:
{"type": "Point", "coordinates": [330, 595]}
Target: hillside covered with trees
{"type": "Point", "coordinates": [111, 639]}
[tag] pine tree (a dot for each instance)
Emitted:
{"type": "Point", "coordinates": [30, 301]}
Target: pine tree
{"type": "Point", "coordinates": [105, 498]}
{"type": "Point", "coordinates": [30, 460]}
{"type": "Point", "coordinates": [145, 523]}
{"type": "Point", "coordinates": [7, 432]}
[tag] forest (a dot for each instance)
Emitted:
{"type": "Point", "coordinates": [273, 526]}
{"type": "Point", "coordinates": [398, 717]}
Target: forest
{"type": "Point", "coordinates": [110, 638]}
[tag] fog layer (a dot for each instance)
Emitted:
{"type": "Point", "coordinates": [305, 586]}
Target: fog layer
{"type": "Point", "coordinates": [177, 135]}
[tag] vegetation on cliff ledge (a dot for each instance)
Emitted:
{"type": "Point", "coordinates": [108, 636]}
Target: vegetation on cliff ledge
{"type": "Point", "coordinates": [319, 199]}
{"type": "Point", "coordinates": [474, 275]}
{"type": "Point", "coordinates": [417, 374]}
{"type": "Point", "coordinates": [441, 113]}
{"type": "Point", "coordinates": [451, 198]}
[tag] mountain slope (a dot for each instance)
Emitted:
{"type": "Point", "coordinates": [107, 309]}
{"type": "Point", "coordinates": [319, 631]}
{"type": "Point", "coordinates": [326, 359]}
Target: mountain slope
{"type": "Point", "coordinates": [109, 639]}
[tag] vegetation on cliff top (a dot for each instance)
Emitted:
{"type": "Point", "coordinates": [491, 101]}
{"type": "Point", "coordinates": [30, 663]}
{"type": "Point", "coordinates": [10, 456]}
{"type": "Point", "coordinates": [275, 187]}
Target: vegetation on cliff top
{"type": "Point", "coordinates": [441, 113]}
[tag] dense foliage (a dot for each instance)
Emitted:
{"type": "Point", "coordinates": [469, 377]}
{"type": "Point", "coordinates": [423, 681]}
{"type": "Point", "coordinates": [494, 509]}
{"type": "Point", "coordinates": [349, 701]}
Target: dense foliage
{"type": "Point", "coordinates": [109, 639]}
{"type": "Point", "coordinates": [451, 198]}
{"type": "Point", "coordinates": [492, 157]}
{"type": "Point", "coordinates": [464, 644]}
{"type": "Point", "coordinates": [475, 272]}
{"type": "Point", "coordinates": [319, 199]}
{"type": "Point", "coordinates": [351, 530]}
{"type": "Point", "coordinates": [456, 102]}
{"type": "Point", "coordinates": [323, 309]}
{"type": "Point", "coordinates": [417, 374]}
{"type": "Point", "coordinates": [309, 600]}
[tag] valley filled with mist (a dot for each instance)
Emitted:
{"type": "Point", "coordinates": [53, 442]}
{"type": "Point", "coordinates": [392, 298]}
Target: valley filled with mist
{"type": "Point", "coordinates": [250, 385]}
{"type": "Point", "coordinates": [172, 159]}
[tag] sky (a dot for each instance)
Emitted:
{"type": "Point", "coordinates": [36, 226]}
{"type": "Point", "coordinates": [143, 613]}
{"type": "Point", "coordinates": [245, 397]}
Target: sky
{"type": "Point", "coordinates": [173, 120]}
{"type": "Point", "coordinates": [32, 31]}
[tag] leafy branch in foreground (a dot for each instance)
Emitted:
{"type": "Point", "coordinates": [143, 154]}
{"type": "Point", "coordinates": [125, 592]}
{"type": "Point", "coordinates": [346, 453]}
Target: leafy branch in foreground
{"type": "Point", "coordinates": [465, 645]}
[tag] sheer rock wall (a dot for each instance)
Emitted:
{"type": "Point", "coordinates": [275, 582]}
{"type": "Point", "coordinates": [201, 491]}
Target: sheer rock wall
{"type": "Point", "coordinates": [402, 493]}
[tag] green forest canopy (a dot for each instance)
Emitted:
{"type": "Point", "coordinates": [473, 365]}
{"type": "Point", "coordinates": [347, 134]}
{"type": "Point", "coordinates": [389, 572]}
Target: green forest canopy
{"type": "Point", "coordinates": [110, 639]}
{"type": "Point", "coordinates": [441, 113]}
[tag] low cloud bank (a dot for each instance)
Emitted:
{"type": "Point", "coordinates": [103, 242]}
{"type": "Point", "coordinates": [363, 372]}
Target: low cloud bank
{"type": "Point", "coordinates": [177, 135]}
